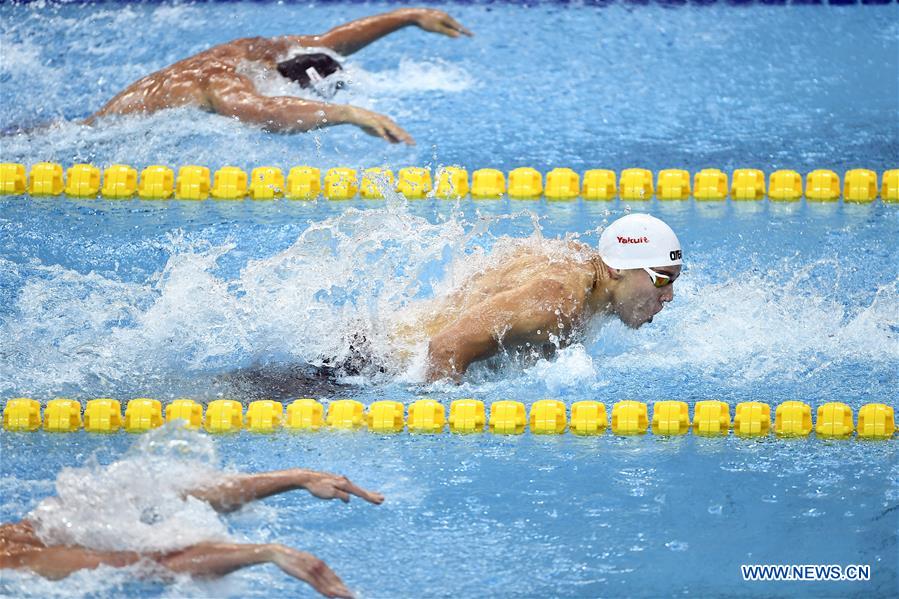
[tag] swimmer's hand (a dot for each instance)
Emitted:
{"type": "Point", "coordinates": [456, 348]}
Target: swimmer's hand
{"type": "Point", "coordinates": [308, 568]}
{"type": "Point", "coordinates": [325, 485]}
{"type": "Point", "coordinates": [437, 21]}
{"type": "Point", "coordinates": [377, 125]}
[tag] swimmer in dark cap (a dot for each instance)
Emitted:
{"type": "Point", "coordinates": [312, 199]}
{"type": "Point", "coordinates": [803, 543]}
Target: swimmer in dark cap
{"type": "Point", "coordinates": [22, 548]}
{"type": "Point", "coordinates": [211, 79]}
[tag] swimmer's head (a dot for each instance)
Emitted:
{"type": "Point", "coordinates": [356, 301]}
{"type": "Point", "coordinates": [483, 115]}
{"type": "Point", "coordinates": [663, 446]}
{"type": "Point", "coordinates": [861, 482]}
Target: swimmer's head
{"type": "Point", "coordinates": [643, 256]}
{"type": "Point", "coordinates": [311, 71]}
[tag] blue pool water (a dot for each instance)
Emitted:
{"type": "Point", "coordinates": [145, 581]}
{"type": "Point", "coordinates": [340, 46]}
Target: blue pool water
{"type": "Point", "coordinates": [778, 301]}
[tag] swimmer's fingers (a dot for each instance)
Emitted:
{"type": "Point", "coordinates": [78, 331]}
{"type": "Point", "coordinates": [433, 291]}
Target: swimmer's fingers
{"type": "Point", "coordinates": [448, 29]}
{"type": "Point", "coordinates": [456, 27]}
{"type": "Point", "coordinates": [371, 131]}
{"type": "Point", "coordinates": [369, 496]}
{"type": "Point", "coordinates": [326, 488]}
{"type": "Point", "coordinates": [379, 125]}
{"type": "Point", "coordinates": [328, 584]}
{"type": "Point", "coordinates": [332, 586]}
{"type": "Point", "coordinates": [397, 134]}
{"type": "Point", "coordinates": [376, 130]}
{"type": "Point", "coordinates": [437, 21]}
{"type": "Point", "coordinates": [331, 486]}
{"type": "Point", "coordinates": [309, 568]}
{"type": "Point", "coordinates": [385, 128]}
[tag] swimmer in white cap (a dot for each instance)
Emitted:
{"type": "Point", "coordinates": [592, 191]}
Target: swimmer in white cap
{"type": "Point", "coordinates": [539, 299]}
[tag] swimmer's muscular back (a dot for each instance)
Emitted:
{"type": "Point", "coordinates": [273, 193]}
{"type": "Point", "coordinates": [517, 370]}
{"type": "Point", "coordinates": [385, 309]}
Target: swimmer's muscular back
{"type": "Point", "coordinates": [194, 80]}
{"type": "Point", "coordinates": [210, 80]}
{"type": "Point", "coordinates": [533, 296]}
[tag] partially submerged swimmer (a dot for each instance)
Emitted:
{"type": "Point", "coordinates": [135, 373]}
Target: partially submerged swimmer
{"type": "Point", "coordinates": [211, 80]}
{"type": "Point", "coordinates": [533, 299]}
{"type": "Point", "coordinates": [22, 548]}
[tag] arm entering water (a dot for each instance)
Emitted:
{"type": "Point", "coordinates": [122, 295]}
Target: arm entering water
{"type": "Point", "coordinates": [236, 96]}
{"type": "Point", "coordinates": [236, 490]}
{"type": "Point", "coordinates": [527, 313]}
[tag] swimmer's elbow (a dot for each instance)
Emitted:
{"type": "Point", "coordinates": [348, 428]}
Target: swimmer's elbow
{"type": "Point", "coordinates": [287, 121]}
{"type": "Point", "coordinates": [274, 126]}
{"type": "Point", "coordinates": [279, 114]}
{"type": "Point", "coordinates": [451, 353]}
{"type": "Point", "coordinates": [444, 362]}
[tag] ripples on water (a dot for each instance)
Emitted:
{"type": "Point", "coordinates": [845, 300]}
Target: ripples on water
{"type": "Point", "coordinates": [776, 303]}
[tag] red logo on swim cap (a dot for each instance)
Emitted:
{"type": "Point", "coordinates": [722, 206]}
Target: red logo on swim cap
{"type": "Point", "coordinates": [633, 239]}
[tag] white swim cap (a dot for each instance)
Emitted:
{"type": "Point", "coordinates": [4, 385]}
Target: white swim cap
{"type": "Point", "coordinates": [639, 240]}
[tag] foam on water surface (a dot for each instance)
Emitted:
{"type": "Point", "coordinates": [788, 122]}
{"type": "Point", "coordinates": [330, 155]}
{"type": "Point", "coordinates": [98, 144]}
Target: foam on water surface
{"type": "Point", "coordinates": [139, 502]}
{"type": "Point", "coordinates": [577, 86]}
{"type": "Point", "coordinates": [134, 502]}
{"type": "Point", "coordinates": [364, 274]}
{"type": "Point", "coordinates": [776, 302]}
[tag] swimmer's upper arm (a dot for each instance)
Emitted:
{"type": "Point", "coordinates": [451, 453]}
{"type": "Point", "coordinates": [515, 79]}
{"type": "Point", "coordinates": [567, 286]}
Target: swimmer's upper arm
{"type": "Point", "coordinates": [351, 37]}
{"type": "Point", "coordinates": [237, 97]}
{"type": "Point", "coordinates": [544, 305]}
{"type": "Point", "coordinates": [285, 43]}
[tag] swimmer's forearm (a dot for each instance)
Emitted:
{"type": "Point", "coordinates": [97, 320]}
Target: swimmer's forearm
{"type": "Point", "coordinates": [58, 562]}
{"type": "Point", "coordinates": [293, 115]}
{"type": "Point", "coordinates": [320, 116]}
{"type": "Point", "coordinates": [323, 115]}
{"type": "Point", "coordinates": [450, 354]}
{"type": "Point", "coordinates": [286, 114]}
{"type": "Point", "coordinates": [353, 36]}
{"type": "Point", "coordinates": [315, 115]}
{"type": "Point", "coordinates": [477, 335]}
{"type": "Point", "coordinates": [237, 490]}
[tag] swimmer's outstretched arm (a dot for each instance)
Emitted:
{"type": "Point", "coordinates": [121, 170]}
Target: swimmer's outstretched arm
{"type": "Point", "coordinates": [236, 490]}
{"type": "Point", "coordinates": [355, 35]}
{"type": "Point", "coordinates": [219, 559]}
{"type": "Point", "coordinates": [205, 560]}
{"type": "Point", "coordinates": [237, 97]}
{"type": "Point", "coordinates": [57, 562]}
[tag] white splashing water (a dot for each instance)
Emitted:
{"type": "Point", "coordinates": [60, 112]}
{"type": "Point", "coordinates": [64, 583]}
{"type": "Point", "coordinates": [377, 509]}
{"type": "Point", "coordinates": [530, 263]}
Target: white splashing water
{"type": "Point", "coordinates": [137, 503]}
{"type": "Point", "coordinates": [572, 369]}
{"type": "Point", "coordinates": [20, 58]}
{"type": "Point", "coordinates": [755, 327]}
{"type": "Point", "coordinates": [102, 581]}
{"type": "Point", "coordinates": [134, 504]}
{"type": "Point", "coordinates": [364, 86]}
{"type": "Point", "coordinates": [364, 272]}
{"type": "Point", "coordinates": [412, 76]}
{"type": "Point", "coordinates": [354, 273]}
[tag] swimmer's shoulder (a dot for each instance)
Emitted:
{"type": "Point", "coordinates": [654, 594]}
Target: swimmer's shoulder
{"type": "Point", "coordinates": [265, 49]}
{"type": "Point", "coordinates": [18, 536]}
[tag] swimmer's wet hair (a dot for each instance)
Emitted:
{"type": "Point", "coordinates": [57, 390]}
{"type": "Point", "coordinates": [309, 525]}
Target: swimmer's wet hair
{"type": "Point", "coordinates": [297, 68]}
